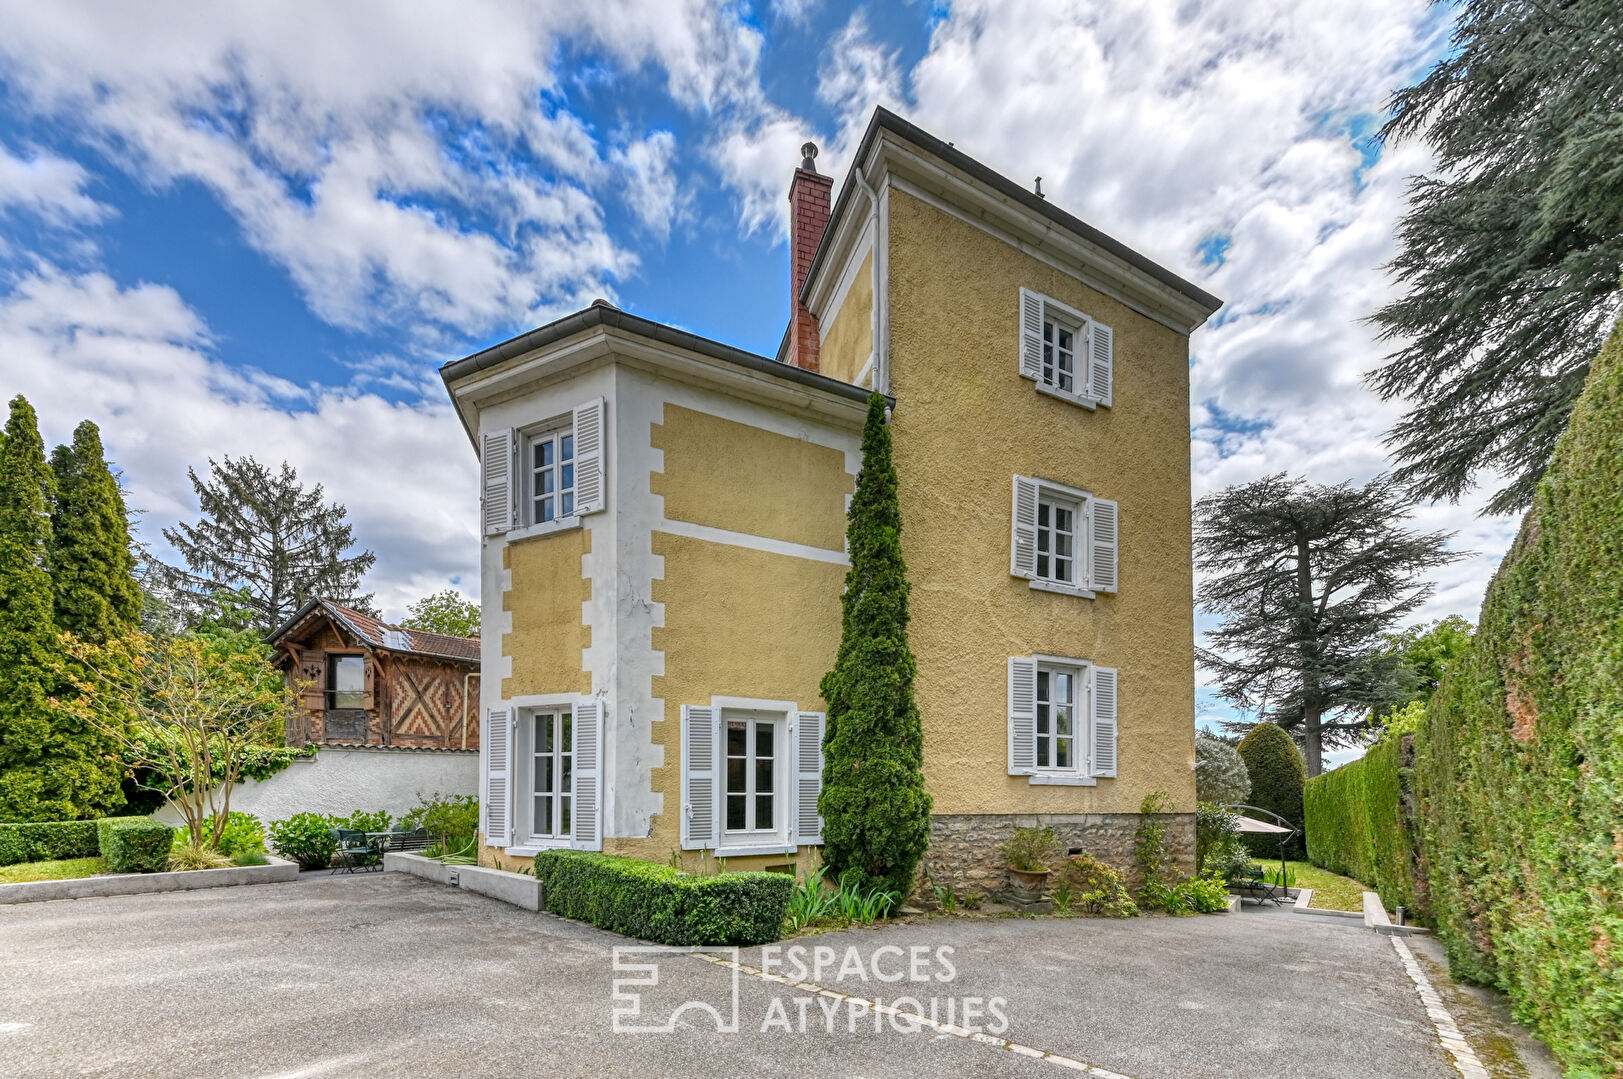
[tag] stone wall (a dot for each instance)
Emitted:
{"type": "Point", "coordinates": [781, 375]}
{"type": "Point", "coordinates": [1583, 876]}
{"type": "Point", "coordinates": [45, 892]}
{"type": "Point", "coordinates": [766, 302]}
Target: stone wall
{"type": "Point", "coordinates": [965, 852]}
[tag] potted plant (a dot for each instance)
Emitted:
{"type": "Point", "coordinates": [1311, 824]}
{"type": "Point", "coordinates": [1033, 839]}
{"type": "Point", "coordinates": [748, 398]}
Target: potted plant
{"type": "Point", "coordinates": [1028, 851]}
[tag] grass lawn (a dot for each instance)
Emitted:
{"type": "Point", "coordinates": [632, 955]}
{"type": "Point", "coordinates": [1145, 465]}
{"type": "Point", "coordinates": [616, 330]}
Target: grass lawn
{"type": "Point", "coordinates": [62, 869]}
{"type": "Point", "coordinates": [1331, 891]}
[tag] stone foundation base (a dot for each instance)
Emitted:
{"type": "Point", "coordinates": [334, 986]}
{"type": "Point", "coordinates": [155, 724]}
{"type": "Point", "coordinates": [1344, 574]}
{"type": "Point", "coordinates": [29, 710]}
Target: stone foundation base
{"type": "Point", "coordinates": [965, 852]}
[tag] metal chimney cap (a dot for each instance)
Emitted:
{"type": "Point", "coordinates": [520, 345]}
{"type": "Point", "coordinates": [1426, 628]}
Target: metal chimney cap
{"type": "Point", "coordinates": [808, 155]}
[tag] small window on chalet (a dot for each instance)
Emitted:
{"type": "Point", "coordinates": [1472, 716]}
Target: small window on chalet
{"type": "Point", "coordinates": [346, 682]}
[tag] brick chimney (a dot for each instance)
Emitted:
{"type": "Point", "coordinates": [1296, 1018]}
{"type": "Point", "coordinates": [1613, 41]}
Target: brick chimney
{"type": "Point", "coordinates": [808, 217]}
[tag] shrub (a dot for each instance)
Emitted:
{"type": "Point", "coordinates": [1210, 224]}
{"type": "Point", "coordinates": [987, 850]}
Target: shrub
{"type": "Point", "coordinates": [1029, 849]}
{"type": "Point", "coordinates": [451, 820]}
{"type": "Point", "coordinates": [1359, 822]}
{"type": "Point", "coordinates": [189, 856]}
{"type": "Point", "coordinates": [51, 840]}
{"type": "Point", "coordinates": [1214, 827]}
{"type": "Point", "coordinates": [811, 901]}
{"type": "Point", "coordinates": [135, 845]}
{"type": "Point", "coordinates": [1092, 887]}
{"type": "Point", "coordinates": [1220, 774]}
{"type": "Point", "coordinates": [1519, 766]}
{"type": "Point", "coordinates": [1231, 860]}
{"type": "Point", "coordinates": [362, 821]}
{"type": "Point", "coordinates": [243, 834]}
{"type": "Point", "coordinates": [661, 904]}
{"type": "Point", "coordinates": [305, 838]}
{"type": "Point", "coordinates": [250, 857]}
{"type": "Point", "coordinates": [1150, 847]}
{"type": "Point", "coordinates": [1277, 777]}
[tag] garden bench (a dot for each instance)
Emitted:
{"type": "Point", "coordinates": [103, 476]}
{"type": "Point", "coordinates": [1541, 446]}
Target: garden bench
{"type": "Point", "coordinates": [414, 840]}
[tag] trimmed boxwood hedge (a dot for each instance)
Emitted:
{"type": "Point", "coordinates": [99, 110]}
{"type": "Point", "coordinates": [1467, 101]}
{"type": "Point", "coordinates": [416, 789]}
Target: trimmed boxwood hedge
{"type": "Point", "coordinates": [660, 904]}
{"type": "Point", "coordinates": [135, 844]}
{"type": "Point", "coordinates": [1358, 823]}
{"type": "Point", "coordinates": [50, 841]}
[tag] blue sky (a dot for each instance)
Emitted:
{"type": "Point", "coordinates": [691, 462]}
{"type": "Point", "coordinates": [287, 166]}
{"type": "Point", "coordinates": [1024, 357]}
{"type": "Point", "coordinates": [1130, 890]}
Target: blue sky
{"type": "Point", "coordinates": [259, 229]}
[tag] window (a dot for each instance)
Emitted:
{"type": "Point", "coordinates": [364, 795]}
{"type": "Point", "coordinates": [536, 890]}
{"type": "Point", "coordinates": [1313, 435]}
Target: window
{"type": "Point", "coordinates": [346, 682]}
{"type": "Point", "coordinates": [550, 475]}
{"type": "Point", "coordinates": [751, 788]}
{"type": "Point", "coordinates": [1062, 720]}
{"type": "Point", "coordinates": [1064, 540]}
{"type": "Point", "coordinates": [1056, 717]}
{"type": "Point", "coordinates": [1059, 354]}
{"type": "Point", "coordinates": [1066, 353]}
{"type": "Point", "coordinates": [1056, 538]}
{"type": "Point", "coordinates": [552, 751]}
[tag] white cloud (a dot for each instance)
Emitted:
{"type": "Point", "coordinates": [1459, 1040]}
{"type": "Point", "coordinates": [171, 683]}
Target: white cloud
{"type": "Point", "coordinates": [795, 12]}
{"type": "Point", "coordinates": [50, 187]}
{"type": "Point", "coordinates": [652, 189]}
{"type": "Point", "coordinates": [138, 361]}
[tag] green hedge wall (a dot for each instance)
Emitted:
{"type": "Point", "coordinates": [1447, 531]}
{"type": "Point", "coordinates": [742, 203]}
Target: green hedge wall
{"type": "Point", "coordinates": [1519, 765]}
{"type": "Point", "coordinates": [50, 841]}
{"type": "Point", "coordinates": [1357, 825]}
{"type": "Point", "coordinates": [658, 903]}
{"type": "Point", "coordinates": [135, 844]}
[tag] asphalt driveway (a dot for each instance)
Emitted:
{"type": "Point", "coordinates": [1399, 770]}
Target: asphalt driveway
{"type": "Point", "coordinates": [388, 975]}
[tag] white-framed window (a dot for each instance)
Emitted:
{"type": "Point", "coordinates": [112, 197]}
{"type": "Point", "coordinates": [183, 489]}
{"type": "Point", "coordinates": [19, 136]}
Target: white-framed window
{"type": "Point", "coordinates": [552, 774]}
{"type": "Point", "coordinates": [546, 475]}
{"type": "Point", "coordinates": [549, 475]}
{"type": "Point", "coordinates": [1065, 352]}
{"type": "Point", "coordinates": [1062, 720]}
{"type": "Point", "coordinates": [752, 772]}
{"type": "Point", "coordinates": [1063, 539]}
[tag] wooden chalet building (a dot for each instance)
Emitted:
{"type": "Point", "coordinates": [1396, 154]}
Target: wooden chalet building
{"type": "Point", "coordinates": [369, 683]}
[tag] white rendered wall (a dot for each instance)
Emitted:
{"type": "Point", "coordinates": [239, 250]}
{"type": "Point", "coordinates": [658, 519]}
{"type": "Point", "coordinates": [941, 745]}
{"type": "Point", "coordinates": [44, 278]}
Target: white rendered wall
{"type": "Point", "coordinates": [340, 780]}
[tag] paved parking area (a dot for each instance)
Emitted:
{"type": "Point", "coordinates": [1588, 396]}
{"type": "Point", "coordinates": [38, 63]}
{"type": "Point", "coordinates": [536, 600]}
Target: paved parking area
{"type": "Point", "coordinates": [388, 975]}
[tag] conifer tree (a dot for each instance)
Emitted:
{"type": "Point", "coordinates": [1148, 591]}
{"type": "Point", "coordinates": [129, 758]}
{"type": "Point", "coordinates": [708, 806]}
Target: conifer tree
{"type": "Point", "coordinates": [92, 567]}
{"type": "Point", "coordinates": [1278, 776]}
{"type": "Point", "coordinates": [876, 814]}
{"type": "Point", "coordinates": [264, 545]}
{"type": "Point", "coordinates": [48, 769]}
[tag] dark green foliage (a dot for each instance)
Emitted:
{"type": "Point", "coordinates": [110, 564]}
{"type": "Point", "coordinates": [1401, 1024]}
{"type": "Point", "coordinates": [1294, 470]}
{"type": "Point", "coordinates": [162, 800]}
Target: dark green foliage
{"type": "Point", "coordinates": [92, 568]}
{"type": "Point", "coordinates": [1360, 823]}
{"type": "Point", "coordinates": [135, 844]}
{"type": "Point", "coordinates": [1307, 580]}
{"type": "Point", "coordinates": [50, 840]}
{"type": "Point", "coordinates": [451, 820]}
{"type": "Point", "coordinates": [447, 612]}
{"type": "Point", "coordinates": [661, 904]}
{"type": "Point", "coordinates": [1215, 828]}
{"type": "Point", "coordinates": [305, 838]}
{"type": "Point", "coordinates": [1511, 248]}
{"type": "Point", "coordinates": [1424, 654]}
{"type": "Point", "coordinates": [264, 545]}
{"type": "Point", "coordinates": [876, 814]}
{"type": "Point", "coordinates": [1089, 886]}
{"type": "Point", "coordinates": [1519, 764]}
{"type": "Point", "coordinates": [1277, 777]}
{"type": "Point", "coordinates": [1150, 851]}
{"type": "Point", "coordinates": [242, 834]}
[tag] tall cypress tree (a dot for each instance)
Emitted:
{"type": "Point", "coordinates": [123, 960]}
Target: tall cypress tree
{"type": "Point", "coordinates": [47, 772]}
{"type": "Point", "coordinates": [876, 814]}
{"type": "Point", "coordinates": [91, 564]}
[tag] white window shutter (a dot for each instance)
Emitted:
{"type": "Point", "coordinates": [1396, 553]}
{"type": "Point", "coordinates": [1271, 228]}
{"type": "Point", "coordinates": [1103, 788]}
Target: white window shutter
{"type": "Point", "coordinates": [498, 750]}
{"type": "Point", "coordinates": [496, 457]}
{"type": "Point", "coordinates": [586, 812]}
{"type": "Point", "coordinates": [1103, 749]}
{"type": "Point", "coordinates": [1102, 364]}
{"type": "Point", "coordinates": [1103, 527]}
{"type": "Point", "coordinates": [1022, 715]}
{"type": "Point", "coordinates": [1023, 548]}
{"type": "Point", "coordinates": [1031, 334]}
{"type": "Point", "coordinates": [699, 774]}
{"type": "Point", "coordinates": [591, 477]}
{"type": "Point", "coordinates": [808, 776]}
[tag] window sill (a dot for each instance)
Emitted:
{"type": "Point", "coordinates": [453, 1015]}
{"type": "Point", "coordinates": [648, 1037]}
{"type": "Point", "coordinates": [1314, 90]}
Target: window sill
{"type": "Point", "coordinates": [530, 850]}
{"type": "Point", "coordinates": [753, 850]}
{"type": "Point", "coordinates": [1073, 398]}
{"type": "Point", "coordinates": [1058, 780]}
{"type": "Point", "coordinates": [547, 529]}
{"type": "Point", "coordinates": [1061, 589]}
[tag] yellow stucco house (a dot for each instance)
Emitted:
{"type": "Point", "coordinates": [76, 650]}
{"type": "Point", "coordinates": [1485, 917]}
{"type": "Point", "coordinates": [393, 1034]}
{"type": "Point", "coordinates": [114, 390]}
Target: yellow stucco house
{"type": "Point", "coordinates": [664, 515]}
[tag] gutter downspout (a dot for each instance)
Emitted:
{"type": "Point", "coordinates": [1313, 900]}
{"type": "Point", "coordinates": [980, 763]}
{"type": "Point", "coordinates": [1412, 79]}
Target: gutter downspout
{"type": "Point", "coordinates": [861, 178]}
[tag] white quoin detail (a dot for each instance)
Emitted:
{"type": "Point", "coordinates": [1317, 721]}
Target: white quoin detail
{"type": "Point", "coordinates": [498, 802]}
{"type": "Point", "coordinates": [586, 805]}
{"type": "Point", "coordinates": [591, 474]}
{"type": "Point", "coordinates": [1022, 715]}
{"type": "Point", "coordinates": [1103, 750]}
{"type": "Point", "coordinates": [699, 772]}
{"type": "Point", "coordinates": [809, 728]}
{"type": "Point", "coordinates": [496, 461]}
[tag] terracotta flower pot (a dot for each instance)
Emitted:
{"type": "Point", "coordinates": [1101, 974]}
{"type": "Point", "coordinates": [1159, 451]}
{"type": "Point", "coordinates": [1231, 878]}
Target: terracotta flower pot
{"type": "Point", "coordinates": [1029, 879]}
